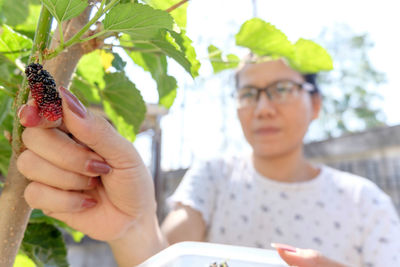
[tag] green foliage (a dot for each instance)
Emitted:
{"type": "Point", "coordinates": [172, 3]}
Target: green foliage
{"type": "Point", "coordinates": [351, 89]}
{"type": "Point", "coordinates": [15, 11]}
{"type": "Point", "coordinates": [43, 243]}
{"type": "Point", "coordinates": [141, 22]}
{"type": "Point", "coordinates": [66, 9]}
{"type": "Point", "coordinates": [309, 57]}
{"type": "Point", "coordinates": [219, 64]}
{"type": "Point", "coordinates": [263, 38]}
{"type": "Point", "coordinates": [125, 100]}
{"type": "Point", "coordinates": [12, 44]}
{"type": "Point", "coordinates": [23, 261]}
{"type": "Point", "coordinates": [179, 14]}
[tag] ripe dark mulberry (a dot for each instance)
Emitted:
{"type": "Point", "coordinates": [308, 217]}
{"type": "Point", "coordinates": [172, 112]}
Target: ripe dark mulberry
{"type": "Point", "coordinates": [44, 92]}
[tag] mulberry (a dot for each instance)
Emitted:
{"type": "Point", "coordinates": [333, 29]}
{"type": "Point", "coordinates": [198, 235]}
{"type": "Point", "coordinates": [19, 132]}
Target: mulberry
{"type": "Point", "coordinates": [44, 92]}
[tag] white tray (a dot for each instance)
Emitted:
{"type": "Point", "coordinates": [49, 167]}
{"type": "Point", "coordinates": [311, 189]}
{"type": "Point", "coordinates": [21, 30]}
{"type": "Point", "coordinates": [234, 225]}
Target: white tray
{"type": "Point", "coordinates": [199, 254]}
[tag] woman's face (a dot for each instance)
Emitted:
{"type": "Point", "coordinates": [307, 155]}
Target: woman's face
{"type": "Point", "coordinates": [274, 129]}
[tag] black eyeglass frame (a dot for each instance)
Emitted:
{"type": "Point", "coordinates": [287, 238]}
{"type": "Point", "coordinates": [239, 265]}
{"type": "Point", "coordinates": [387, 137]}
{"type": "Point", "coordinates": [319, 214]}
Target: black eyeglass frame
{"type": "Point", "coordinates": [306, 86]}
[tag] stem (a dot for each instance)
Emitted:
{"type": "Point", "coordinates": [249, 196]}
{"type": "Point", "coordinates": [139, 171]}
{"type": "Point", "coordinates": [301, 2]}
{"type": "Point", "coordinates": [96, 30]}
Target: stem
{"type": "Point", "coordinates": [76, 38]}
{"type": "Point", "coordinates": [14, 209]}
{"type": "Point", "coordinates": [173, 7]}
{"type": "Point", "coordinates": [61, 34]}
{"type": "Point", "coordinates": [92, 36]}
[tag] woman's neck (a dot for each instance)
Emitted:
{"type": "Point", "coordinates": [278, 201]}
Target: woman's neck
{"type": "Point", "coordinates": [291, 167]}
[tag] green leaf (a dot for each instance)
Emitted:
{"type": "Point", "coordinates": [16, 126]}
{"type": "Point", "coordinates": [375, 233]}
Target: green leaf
{"type": "Point", "coordinates": [12, 44]}
{"type": "Point", "coordinates": [29, 26]}
{"type": "Point", "coordinates": [5, 106]}
{"type": "Point", "coordinates": [5, 154]}
{"type": "Point", "coordinates": [125, 129]}
{"type": "Point", "coordinates": [157, 65]}
{"type": "Point", "coordinates": [179, 14]}
{"type": "Point", "coordinates": [37, 216]}
{"type": "Point", "coordinates": [309, 57]}
{"type": "Point", "coordinates": [185, 45]}
{"type": "Point", "coordinates": [43, 243]}
{"type": "Point", "coordinates": [65, 9]}
{"type": "Point", "coordinates": [21, 260]}
{"type": "Point", "coordinates": [15, 11]}
{"type": "Point", "coordinates": [142, 22]}
{"type": "Point", "coordinates": [124, 99]}
{"type": "Point", "coordinates": [90, 68]}
{"type": "Point", "coordinates": [264, 39]}
{"type": "Point", "coordinates": [118, 63]}
{"type": "Point", "coordinates": [218, 63]}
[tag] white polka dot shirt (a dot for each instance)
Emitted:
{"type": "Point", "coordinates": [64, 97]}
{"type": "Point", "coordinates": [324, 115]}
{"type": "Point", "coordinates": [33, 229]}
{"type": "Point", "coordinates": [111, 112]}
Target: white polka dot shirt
{"type": "Point", "coordinates": [345, 217]}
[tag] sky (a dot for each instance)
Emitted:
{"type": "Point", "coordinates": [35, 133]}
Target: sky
{"type": "Point", "coordinates": [202, 122]}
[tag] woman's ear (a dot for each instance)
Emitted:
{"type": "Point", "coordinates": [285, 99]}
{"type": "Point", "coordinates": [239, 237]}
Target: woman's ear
{"type": "Point", "coordinates": [316, 101]}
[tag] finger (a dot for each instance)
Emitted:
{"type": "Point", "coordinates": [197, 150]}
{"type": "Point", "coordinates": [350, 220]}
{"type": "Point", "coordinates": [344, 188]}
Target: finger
{"type": "Point", "coordinates": [28, 115]}
{"type": "Point", "coordinates": [40, 170]}
{"type": "Point", "coordinates": [58, 148]}
{"type": "Point", "coordinates": [50, 199]}
{"type": "Point", "coordinates": [94, 131]}
{"type": "Point", "coordinates": [300, 257]}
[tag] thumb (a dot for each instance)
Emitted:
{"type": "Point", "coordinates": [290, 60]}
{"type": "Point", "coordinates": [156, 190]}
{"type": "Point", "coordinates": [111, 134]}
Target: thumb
{"type": "Point", "coordinates": [97, 133]}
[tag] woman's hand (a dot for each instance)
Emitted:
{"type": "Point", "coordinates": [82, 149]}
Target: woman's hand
{"type": "Point", "coordinates": [84, 172]}
{"type": "Point", "coordinates": [303, 257]}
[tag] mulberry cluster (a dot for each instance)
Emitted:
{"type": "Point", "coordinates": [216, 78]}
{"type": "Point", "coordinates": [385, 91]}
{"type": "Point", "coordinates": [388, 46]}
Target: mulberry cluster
{"type": "Point", "coordinates": [44, 92]}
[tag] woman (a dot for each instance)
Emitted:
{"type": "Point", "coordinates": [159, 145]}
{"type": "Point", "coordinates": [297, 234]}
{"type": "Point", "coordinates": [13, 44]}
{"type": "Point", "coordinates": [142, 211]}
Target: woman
{"type": "Point", "coordinates": [275, 195]}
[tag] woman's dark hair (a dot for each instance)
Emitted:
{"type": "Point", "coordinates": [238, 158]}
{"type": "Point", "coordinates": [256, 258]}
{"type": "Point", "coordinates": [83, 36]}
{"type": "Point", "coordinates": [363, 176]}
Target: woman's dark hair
{"type": "Point", "coordinates": [312, 79]}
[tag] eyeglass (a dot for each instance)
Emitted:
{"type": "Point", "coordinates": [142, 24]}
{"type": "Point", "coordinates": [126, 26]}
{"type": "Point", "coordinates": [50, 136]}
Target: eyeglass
{"type": "Point", "coordinates": [281, 92]}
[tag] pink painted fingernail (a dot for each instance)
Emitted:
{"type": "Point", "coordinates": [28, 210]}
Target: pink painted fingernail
{"type": "Point", "coordinates": [93, 182]}
{"type": "Point", "coordinates": [283, 246]}
{"type": "Point", "coordinates": [88, 203]}
{"type": "Point", "coordinates": [98, 167]}
{"type": "Point", "coordinates": [73, 102]}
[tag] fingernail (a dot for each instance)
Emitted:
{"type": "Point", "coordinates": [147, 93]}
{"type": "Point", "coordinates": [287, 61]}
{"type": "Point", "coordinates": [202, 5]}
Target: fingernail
{"type": "Point", "coordinates": [28, 115]}
{"type": "Point", "coordinates": [88, 203]}
{"type": "Point", "coordinates": [73, 102]}
{"type": "Point", "coordinates": [93, 181]}
{"type": "Point", "coordinates": [283, 246]}
{"type": "Point", "coordinates": [98, 167]}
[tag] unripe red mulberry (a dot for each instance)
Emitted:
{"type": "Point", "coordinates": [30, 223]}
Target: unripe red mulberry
{"type": "Point", "coordinates": [43, 90]}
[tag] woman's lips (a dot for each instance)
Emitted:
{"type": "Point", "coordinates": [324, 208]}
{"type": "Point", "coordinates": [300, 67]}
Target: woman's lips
{"type": "Point", "coordinates": [267, 131]}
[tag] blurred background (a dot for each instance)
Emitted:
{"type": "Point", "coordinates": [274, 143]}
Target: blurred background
{"type": "Point", "coordinates": [361, 93]}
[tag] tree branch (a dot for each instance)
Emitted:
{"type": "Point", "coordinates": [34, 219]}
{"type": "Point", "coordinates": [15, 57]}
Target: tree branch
{"type": "Point", "coordinates": [173, 7]}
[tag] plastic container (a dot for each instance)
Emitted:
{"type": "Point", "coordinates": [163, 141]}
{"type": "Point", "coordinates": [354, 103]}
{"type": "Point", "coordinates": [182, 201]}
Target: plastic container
{"type": "Point", "coordinates": [199, 254]}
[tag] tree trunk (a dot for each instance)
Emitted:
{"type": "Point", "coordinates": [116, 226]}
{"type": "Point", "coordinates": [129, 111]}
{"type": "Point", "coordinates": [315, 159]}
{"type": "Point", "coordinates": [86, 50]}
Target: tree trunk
{"type": "Point", "coordinates": [13, 208]}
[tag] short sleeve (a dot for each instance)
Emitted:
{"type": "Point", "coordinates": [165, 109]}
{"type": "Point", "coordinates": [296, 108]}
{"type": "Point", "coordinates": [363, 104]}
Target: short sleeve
{"type": "Point", "coordinates": [198, 188]}
{"type": "Point", "coordinates": [381, 246]}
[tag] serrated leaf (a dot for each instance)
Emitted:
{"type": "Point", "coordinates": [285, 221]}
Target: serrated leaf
{"type": "Point", "coordinates": [65, 9]}
{"type": "Point", "coordinates": [125, 129]}
{"type": "Point", "coordinates": [263, 39]}
{"type": "Point", "coordinates": [218, 63]}
{"type": "Point", "coordinates": [12, 44]}
{"type": "Point", "coordinates": [5, 154]}
{"type": "Point", "coordinates": [124, 99]}
{"type": "Point", "coordinates": [142, 22]}
{"type": "Point", "coordinates": [37, 216]}
{"type": "Point", "coordinates": [15, 11]}
{"type": "Point", "coordinates": [186, 47]}
{"type": "Point", "coordinates": [91, 69]}
{"type": "Point", "coordinates": [157, 64]}
{"type": "Point", "coordinates": [309, 57]}
{"type": "Point", "coordinates": [43, 243]}
{"type": "Point", "coordinates": [118, 63]}
{"type": "Point", "coordinates": [179, 14]}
